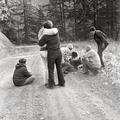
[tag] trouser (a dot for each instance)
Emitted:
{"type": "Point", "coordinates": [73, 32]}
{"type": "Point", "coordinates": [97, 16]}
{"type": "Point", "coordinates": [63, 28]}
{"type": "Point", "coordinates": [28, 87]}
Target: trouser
{"type": "Point", "coordinates": [100, 52]}
{"type": "Point", "coordinates": [25, 81]}
{"type": "Point", "coordinates": [67, 67]}
{"type": "Point", "coordinates": [88, 66]}
{"type": "Point", "coordinates": [75, 63]}
{"type": "Point", "coordinates": [55, 57]}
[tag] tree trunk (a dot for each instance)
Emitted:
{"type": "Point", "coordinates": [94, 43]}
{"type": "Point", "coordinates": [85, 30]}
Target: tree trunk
{"type": "Point", "coordinates": [75, 21]}
{"type": "Point", "coordinates": [63, 20]}
{"type": "Point", "coordinates": [25, 20]}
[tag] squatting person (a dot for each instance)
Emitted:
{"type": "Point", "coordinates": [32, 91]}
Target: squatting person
{"type": "Point", "coordinates": [91, 61]}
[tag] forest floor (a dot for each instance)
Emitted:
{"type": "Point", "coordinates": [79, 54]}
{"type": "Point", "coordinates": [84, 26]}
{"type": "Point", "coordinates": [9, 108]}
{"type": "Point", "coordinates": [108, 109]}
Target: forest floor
{"type": "Point", "coordinates": [84, 97]}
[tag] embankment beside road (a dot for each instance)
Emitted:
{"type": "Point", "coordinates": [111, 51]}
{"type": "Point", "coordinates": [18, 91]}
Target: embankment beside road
{"type": "Point", "coordinates": [7, 49]}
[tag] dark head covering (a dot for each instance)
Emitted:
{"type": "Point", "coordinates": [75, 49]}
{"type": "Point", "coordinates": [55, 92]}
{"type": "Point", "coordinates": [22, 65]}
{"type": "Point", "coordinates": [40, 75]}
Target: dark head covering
{"type": "Point", "coordinates": [48, 24]}
{"type": "Point", "coordinates": [74, 54]}
{"type": "Point", "coordinates": [23, 60]}
{"type": "Point", "coordinates": [92, 28]}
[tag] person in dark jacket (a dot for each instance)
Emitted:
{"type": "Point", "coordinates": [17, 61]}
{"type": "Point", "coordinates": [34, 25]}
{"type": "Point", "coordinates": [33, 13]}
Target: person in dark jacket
{"type": "Point", "coordinates": [54, 56]}
{"type": "Point", "coordinates": [21, 75]}
{"type": "Point", "coordinates": [75, 60]}
{"type": "Point", "coordinates": [101, 40]}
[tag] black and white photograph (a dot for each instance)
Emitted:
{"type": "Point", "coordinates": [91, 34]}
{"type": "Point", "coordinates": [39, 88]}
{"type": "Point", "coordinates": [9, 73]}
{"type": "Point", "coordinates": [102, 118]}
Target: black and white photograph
{"type": "Point", "coordinates": [59, 59]}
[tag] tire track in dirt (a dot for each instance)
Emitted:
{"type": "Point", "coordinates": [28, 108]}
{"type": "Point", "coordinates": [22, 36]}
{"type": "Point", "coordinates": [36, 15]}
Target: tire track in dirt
{"type": "Point", "coordinates": [102, 108]}
{"type": "Point", "coordinates": [75, 101]}
{"type": "Point", "coordinates": [16, 99]}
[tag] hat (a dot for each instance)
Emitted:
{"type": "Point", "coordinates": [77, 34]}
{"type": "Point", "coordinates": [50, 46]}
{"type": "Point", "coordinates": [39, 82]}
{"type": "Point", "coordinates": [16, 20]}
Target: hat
{"type": "Point", "coordinates": [70, 46]}
{"type": "Point", "coordinates": [74, 54]}
{"type": "Point", "coordinates": [88, 47]}
{"type": "Point", "coordinates": [48, 24]}
{"type": "Point", "coordinates": [92, 28]}
{"type": "Point", "coordinates": [23, 60]}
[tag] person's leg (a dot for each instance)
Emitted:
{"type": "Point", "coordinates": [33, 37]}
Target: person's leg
{"type": "Point", "coordinates": [90, 67]}
{"type": "Point", "coordinates": [58, 60]}
{"type": "Point", "coordinates": [45, 70]}
{"type": "Point", "coordinates": [100, 51]}
{"type": "Point", "coordinates": [51, 62]}
{"type": "Point", "coordinates": [95, 71]}
{"type": "Point", "coordinates": [85, 66]}
{"type": "Point", "coordinates": [75, 63]}
{"type": "Point", "coordinates": [67, 67]}
{"type": "Point", "coordinates": [29, 80]}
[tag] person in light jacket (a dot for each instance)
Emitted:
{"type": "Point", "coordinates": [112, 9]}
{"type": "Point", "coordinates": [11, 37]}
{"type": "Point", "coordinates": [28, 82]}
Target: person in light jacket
{"type": "Point", "coordinates": [91, 61]}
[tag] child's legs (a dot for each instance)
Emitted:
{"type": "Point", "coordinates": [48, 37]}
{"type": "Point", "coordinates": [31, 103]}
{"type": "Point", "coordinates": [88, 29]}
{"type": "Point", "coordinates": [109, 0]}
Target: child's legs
{"type": "Point", "coordinates": [29, 80]}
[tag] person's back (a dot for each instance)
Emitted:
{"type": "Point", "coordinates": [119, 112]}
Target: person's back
{"type": "Point", "coordinates": [21, 73]}
{"type": "Point", "coordinates": [93, 58]}
{"type": "Point", "coordinates": [52, 42]}
{"type": "Point", "coordinates": [100, 37]}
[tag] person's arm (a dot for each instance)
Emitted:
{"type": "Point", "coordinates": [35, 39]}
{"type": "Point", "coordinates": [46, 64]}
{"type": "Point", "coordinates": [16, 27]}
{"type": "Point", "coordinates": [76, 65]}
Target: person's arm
{"type": "Point", "coordinates": [45, 31]}
{"type": "Point", "coordinates": [51, 31]}
{"type": "Point", "coordinates": [43, 41]}
{"type": "Point", "coordinates": [40, 34]}
{"type": "Point", "coordinates": [26, 73]}
{"type": "Point", "coordinates": [88, 54]}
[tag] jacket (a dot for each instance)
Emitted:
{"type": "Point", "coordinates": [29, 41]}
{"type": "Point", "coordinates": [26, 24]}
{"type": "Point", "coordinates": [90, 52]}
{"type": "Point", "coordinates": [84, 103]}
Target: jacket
{"type": "Point", "coordinates": [52, 42]}
{"type": "Point", "coordinates": [100, 37]}
{"type": "Point", "coordinates": [21, 73]}
{"type": "Point", "coordinates": [93, 57]}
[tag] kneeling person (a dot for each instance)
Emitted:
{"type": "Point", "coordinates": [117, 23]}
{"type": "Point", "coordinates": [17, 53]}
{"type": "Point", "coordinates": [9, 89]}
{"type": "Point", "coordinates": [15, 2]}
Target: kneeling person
{"type": "Point", "coordinates": [21, 75]}
{"type": "Point", "coordinates": [75, 60]}
{"type": "Point", "coordinates": [91, 61]}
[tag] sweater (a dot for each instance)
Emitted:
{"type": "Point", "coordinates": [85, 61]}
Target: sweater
{"type": "Point", "coordinates": [21, 73]}
{"type": "Point", "coordinates": [52, 42]}
{"type": "Point", "coordinates": [93, 57]}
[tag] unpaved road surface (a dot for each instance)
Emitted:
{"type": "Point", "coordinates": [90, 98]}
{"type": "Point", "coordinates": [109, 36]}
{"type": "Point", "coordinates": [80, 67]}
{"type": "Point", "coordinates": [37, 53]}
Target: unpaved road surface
{"type": "Point", "coordinates": [85, 97]}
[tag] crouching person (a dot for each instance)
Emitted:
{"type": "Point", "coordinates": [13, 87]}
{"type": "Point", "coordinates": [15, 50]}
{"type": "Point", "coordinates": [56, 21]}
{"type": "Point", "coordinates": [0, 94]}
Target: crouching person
{"type": "Point", "coordinates": [91, 61]}
{"type": "Point", "coordinates": [21, 75]}
{"type": "Point", "coordinates": [75, 60]}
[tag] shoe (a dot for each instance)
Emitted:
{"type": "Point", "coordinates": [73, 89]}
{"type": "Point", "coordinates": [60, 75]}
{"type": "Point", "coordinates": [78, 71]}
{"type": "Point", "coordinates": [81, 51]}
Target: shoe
{"type": "Point", "coordinates": [49, 86]}
{"type": "Point", "coordinates": [86, 73]}
{"type": "Point", "coordinates": [61, 85]}
{"type": "Point", "coordinates": [65, 72]}
{"type": "Point", "coordinates": [95, 72]}
{"type": "Point", "coordinates": [46, 84]}
{"type": "Point", "coordinates": [103, 66]}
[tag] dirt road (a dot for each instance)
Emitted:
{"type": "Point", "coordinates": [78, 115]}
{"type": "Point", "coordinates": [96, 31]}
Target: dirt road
{"type": "Point", "coordinates": [83, 98]}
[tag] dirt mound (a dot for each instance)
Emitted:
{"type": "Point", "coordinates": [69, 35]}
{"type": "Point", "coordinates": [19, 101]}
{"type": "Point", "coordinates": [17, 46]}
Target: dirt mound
{"type": "Point", "coordinates": [6, 47]}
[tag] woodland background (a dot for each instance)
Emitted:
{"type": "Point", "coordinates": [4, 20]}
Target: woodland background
{"type": "Point", "coordinates": [20, 20]}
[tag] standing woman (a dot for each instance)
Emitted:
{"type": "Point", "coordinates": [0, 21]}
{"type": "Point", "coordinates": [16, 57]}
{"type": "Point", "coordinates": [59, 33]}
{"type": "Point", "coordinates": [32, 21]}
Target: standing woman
{"type": "Point", "coordinates": [54, 56]}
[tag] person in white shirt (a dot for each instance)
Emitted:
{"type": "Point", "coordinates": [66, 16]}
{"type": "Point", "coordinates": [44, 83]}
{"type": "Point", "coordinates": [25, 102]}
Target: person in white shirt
{"type": "Point", "coordinates": [91, 61]}
{"type": "Point", "coordinates": [66, 52]}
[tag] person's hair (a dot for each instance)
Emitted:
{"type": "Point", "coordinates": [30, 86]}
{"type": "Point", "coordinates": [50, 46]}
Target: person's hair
{"type": "Point", "coordinates": [92, 28]}
{"type": "Point", "coordinates": [70, 46]}
{"type": "Point", "coordinates": [88, 47]}
{"type": "Point", "coordinates": [23, 60]}
{"type": "Point", "coordinates": [48, 24]}
{"type": "Point", "coordinates": [74, 54]}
